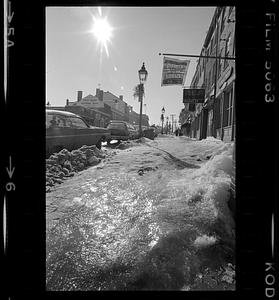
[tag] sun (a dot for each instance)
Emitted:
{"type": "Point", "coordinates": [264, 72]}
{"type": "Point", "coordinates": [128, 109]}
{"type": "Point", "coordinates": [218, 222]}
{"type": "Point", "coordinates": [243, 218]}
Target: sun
{"type": "Point", "coordinates": [102, 31]}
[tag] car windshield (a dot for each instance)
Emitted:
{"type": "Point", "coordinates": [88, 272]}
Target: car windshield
{"type": "Point", "coordinates": [116, 125]}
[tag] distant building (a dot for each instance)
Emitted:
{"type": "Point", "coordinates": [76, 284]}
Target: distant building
{"type": "Point", "coordinates": [134, 117]}
{"type": "Point", "coordinates": [99, 109]}
{"type": "Point", "coordinates": [91, 108]}
{"type": "Point", "coordinates": [116, 104]}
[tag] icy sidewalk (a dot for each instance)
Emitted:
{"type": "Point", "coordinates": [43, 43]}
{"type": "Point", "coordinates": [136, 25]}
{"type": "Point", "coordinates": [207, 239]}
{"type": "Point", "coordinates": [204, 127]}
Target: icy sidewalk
{"type": "Point", "coordinates": [153, 216]}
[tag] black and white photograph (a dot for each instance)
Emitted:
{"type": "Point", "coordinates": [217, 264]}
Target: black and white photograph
{"type": "Point", "coordinates": [140, 148]}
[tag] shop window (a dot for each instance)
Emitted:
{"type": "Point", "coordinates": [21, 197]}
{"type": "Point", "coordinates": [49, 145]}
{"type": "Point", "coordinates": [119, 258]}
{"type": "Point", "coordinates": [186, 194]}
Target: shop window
{"type": "Point", "coordinates": [192, 107]}
{"type": "Point", "coordinates": [213, 73]}
{"type": "Point", "coordinates": [219, 68]}
{"type": "Point", "coordinates": [209, 79]}
{"type": "Point", "coordinates": [217, 113]}
{"type": "Point", "coordinates": [202, 64]}
{"type": "Point", "coordinates": [228, 108]}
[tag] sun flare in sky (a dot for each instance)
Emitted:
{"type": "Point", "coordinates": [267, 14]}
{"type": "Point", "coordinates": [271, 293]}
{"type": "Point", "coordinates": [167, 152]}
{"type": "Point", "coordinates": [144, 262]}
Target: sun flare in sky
{"type": "Point", "coordinates": [102, 31]}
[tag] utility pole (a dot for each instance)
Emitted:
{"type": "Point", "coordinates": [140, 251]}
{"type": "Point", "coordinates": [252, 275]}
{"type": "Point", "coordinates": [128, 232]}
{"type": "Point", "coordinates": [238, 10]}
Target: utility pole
{"type": "Point", "coordinates": [175, 124]}
{"type": "Point", "coordinates": [172, 115]}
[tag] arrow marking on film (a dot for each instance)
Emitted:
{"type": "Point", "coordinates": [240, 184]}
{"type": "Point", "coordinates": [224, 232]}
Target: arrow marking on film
{"type": "Point", "coordinates": [10, 170]}
{"type": "Point", "coordinates": [272, 235]}
{"type": "Point", "coordinates": [10, 16]}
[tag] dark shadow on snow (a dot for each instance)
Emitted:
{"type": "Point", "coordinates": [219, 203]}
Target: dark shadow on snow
{"type": "Point", "coordinates": [181, 164]}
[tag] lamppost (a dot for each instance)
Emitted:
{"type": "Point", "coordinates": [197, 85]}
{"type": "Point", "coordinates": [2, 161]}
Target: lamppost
{"type": "Point", "coordinates": [162, 119]}
{"type": "Point", "coordinates": [142, 78]}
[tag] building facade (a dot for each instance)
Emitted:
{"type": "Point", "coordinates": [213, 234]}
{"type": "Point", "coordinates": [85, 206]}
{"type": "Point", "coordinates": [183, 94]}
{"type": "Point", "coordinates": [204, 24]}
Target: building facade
{"type": "Point", "coordinates": [216, 116]}
{"type": "Point", "coordinates": [91, 108]}
{"type": "Point", "coordinates": [99, 109]}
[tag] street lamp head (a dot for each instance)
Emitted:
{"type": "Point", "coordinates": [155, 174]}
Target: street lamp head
{"type": "Point", "coordinates": [143, 74]}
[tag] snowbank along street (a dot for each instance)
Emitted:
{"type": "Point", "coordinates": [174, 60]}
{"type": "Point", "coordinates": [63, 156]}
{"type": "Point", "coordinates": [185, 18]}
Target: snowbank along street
{"type": "Point", "coordinates": [151, 215]}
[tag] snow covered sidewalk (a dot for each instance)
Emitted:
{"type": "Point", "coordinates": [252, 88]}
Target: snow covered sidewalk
{"type": "Point", "coordinates": [157, 210]}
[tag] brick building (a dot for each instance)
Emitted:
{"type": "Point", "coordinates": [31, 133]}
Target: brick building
{"type": "Point", "coordinates": [216, 116]}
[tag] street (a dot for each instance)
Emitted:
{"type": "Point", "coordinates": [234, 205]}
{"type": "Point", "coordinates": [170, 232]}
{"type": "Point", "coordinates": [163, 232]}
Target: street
{"type": "Point", "coordinates": [152, 215]}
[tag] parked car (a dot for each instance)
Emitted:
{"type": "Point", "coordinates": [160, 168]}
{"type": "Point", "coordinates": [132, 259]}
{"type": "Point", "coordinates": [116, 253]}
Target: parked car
{"type": "Point", "coordinates": [156, 129]}
{"type": "Point", "coordinates": [121, 131]}
{"type": "Point", "coordinates": [147, 131]}
{"type": "Point", "coordinates": [70, 131]}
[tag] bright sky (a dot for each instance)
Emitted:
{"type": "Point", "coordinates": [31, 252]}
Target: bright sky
{"type": "Point", "coordinates": [74, 60]}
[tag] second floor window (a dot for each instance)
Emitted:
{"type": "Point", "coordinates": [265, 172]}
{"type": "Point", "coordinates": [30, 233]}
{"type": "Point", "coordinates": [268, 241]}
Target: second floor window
{"type": "Point", "coordinates": [222, 21]}
{"type": "Point", "coordinates": [227, 51]}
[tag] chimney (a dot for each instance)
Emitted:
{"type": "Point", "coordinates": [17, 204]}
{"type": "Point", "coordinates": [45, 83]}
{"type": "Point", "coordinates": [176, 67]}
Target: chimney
{"type": "Point", "coordinates": [100, 94]}
{"type": "Point", "coordinates": [79, 95]}
{"type": "Point", "coordinates": [121, 97]}
{"type": "Point", "coordinates": [67, 102]}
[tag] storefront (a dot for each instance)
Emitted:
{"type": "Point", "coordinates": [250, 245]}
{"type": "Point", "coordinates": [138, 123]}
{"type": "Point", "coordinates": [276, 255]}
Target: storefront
{"type": "Point", "coordinates": [228, 133]}
{"type": "Point", "coordinates": [203, 125]}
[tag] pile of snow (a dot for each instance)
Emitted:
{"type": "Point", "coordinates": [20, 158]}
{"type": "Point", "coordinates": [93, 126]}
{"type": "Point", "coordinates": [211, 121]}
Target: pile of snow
{"type": "Point", "coordinates": [64, 164]}
{"type": "Point", "coordinates": [141, 140]}
{"type": "Point", "coordinates": [132, 143]}
{"type": "Point", "coordinates": [124, 145]}
{"type": "Point", "coordinates": [204, 241]}
{"type": "Point", "coordinates": [202, 195]}
{"type": "Point", "coordinates": [211, 139]}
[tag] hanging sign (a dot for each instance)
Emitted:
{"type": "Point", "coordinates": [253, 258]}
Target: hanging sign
{"type": "Point", "coordinates": [174, 71]}
{"type": "Point", "coordinates": [193, 95]}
